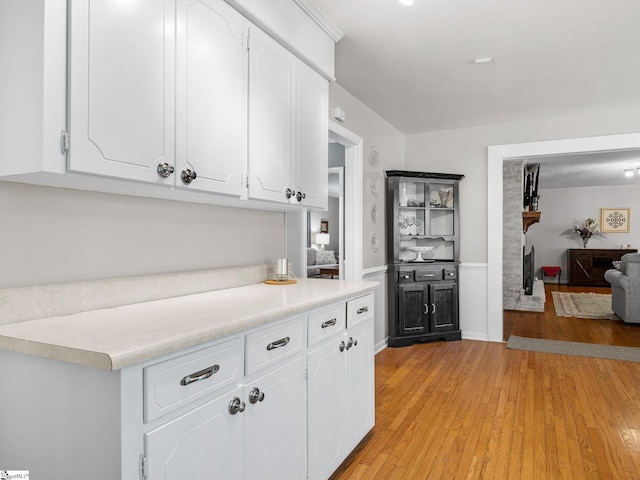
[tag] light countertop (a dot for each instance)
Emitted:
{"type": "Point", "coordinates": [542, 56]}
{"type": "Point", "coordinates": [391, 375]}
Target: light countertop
{"type": "Point", "coordinates": [114, 338]}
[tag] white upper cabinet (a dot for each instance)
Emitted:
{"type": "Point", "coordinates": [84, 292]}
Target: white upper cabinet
{"type": "Point", "coordinates": [270, 118]}
{"type": "Point", "coordinates": [211, 85]}
{"type": "Point", "coordinates": [311, 136]}
{"type": "Point", "coordinates": [288, 126]}
{"type": "Point", "coordinates": [121, 89]}
{"type": "Point", "coordinates": [192, 94]}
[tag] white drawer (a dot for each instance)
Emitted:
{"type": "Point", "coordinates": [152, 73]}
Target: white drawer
{"type": "Point", "coordinates": [180, 380]}
{"type": "Point", "coordinates": [359, 310]}
{"type": "Point", "coordinates": [326, 322]}
{"type": "Point", "coordinates": [268, 345]}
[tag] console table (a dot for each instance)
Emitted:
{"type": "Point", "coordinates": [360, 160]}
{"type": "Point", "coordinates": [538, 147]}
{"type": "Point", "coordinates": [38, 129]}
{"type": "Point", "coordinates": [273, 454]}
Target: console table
{"type": "Point", "coordinates": [587, 265]}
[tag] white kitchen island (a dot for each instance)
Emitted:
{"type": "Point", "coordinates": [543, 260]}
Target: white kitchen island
{"type": "Point", "coordinates": [268, 380]}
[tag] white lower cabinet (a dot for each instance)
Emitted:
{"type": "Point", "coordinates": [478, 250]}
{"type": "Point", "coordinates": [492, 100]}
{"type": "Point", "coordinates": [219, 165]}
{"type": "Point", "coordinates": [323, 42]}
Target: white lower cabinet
{"type": "Point", "coordinates": [327, 416]}
{"type": "Point", "coordinates": [205, 443]}
{"type": "Point", "coordinates": [285, 401]}
{"type": "Point", "coordinates": [341, 395]}
{"type": "Point", "coordinates": [257, 430]}
{"type": "Point", "coordinates": [276, 426]}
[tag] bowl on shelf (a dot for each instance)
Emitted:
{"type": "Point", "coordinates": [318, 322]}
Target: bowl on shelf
{"type": "Point", "coordinates": [420, 250]}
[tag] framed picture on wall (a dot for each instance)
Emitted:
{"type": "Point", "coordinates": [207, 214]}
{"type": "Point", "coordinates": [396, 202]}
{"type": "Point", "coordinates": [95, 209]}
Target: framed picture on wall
{"type": "Point", "coordinates": [615, 220]}
{"type": "Point", "coordinates": [324, 226]}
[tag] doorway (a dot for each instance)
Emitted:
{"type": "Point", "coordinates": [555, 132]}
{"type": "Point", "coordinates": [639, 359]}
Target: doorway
{"type": "Point", "coordinates": [296, 222]}
{"type": "Point", "coordinates": [497, 155]}
{"type": "Point", "coordinates": [325, 229]}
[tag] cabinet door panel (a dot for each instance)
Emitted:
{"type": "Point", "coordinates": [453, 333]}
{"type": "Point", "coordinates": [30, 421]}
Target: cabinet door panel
{"type": "Point", "coordinates": [211, 95]}
{"type": "Point", "coordinates": [311, 135]}
{"type": "Point", "coordinates": [121, 88]}
{"type": "Point", "coordinates": [581, 268]}
{"type": "Point", "coordinates": [326, 393]}
{"type": "Point", "coordinates": [276, 430]}
{"type": "Point", "coordinates": [444, 300]}
{"type": "Point", "coordinates": [270, 118]}
{"type": "Point", "coordinates": [360, 384]}
{"type": "Point", "coordinates": [413, 309]}
{"type": "Point", "coordinates": [205, 443]}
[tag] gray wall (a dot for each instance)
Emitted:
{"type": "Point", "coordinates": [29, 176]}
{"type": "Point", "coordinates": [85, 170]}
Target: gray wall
{"type": "Point", "coordinates": [52, 235]}
{"type": "Point", "coordinates": [389, 145]}
{"type": "Point", "coordinates": [561, 207]}
{"type": "Point", "coordinates": [465, 151]}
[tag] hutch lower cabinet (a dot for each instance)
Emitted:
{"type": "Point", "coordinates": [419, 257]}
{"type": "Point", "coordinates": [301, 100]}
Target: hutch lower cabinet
{"type": "Point", "coordinates": [423, 256]}
{"type": "Point", "coordinates": [426, 302]}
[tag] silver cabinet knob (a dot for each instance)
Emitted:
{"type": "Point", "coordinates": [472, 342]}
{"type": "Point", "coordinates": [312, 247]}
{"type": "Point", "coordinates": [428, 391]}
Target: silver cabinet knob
{"type": "Point", "coordinates": [188, 176]}
{"type": "Point", "coordinates": [290, 193]}
{"type": "Point", "coordinates": [255, 395]}
{"type": "Point", "coordinates": [300, 196]}
{"type": "Point", "coordinates": [343, 346]}
{"type": "Point", "coordinates": [164, 169]}
{"type": "Point", "coordinates": [236, 405]}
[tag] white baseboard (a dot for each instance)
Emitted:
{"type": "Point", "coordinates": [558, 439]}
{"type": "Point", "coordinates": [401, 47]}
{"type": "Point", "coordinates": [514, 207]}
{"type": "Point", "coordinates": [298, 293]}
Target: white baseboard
{"type": "Point", "coordinates": [378, 347]}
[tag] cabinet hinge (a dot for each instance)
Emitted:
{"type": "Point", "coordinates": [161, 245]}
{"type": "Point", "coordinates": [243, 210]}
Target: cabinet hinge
{"type": "Point", "coordinates": [64, 142]}
{"type": "Point", "coordinates": [247, 41]}
{"type": "Point", "coordinates": [244, 180]}
{"type": "Point", "coordinates": [306, 374]}
{"type": "Point", "coordinates": [142, 467]}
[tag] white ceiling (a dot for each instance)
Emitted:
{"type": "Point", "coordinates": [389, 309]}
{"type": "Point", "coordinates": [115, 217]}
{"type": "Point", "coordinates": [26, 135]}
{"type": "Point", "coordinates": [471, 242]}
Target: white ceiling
{"type": "Point", "coordinates": [595, 169]}
{"type": "Point", "coordinates": [415, 66]}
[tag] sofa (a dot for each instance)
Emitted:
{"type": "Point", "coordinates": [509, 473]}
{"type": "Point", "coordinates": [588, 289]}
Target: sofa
{"type": "Point", "coordinates": [317, 259]}
{"type": "Point", "coordinates": [625, 287]}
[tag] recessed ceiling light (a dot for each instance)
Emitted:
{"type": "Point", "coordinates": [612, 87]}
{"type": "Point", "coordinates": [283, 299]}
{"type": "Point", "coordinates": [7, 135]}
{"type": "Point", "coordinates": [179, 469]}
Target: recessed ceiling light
{"type": "Point", "coordinates": [407, 3]}
{"type": "Point", "coordinates": [628, 173]}
{"type": "Point", "coordinates": [483, 60]}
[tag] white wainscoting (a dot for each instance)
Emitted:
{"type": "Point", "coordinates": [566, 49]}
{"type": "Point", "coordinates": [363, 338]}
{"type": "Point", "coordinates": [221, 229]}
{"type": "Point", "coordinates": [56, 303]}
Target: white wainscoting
{"type": "Point", "coordinates": [473, 292]}
{"type": "Point", "coordinates": [381, 330]}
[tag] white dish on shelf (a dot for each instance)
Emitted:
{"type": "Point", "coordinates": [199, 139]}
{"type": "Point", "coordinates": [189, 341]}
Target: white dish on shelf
{"type": "Point", "coordinates": [420, 250]}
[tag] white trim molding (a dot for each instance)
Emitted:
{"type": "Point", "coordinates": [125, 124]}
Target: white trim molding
{"type": "Point", "coordinates": [380, 306]}
{"type": "Point", "coordinates": [472, 289]}
{"type": "Point", "coordinates": [353, 174]}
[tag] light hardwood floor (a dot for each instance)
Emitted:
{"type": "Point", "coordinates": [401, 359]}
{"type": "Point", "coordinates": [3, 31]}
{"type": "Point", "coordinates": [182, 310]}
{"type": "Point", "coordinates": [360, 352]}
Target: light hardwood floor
{"type": "Point", "coordinates": [476, 410]}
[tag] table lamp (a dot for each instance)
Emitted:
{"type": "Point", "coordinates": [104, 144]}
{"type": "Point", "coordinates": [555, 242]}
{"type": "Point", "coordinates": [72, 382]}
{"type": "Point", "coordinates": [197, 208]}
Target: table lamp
{"type": "Point", "coordinates": [322, 239]}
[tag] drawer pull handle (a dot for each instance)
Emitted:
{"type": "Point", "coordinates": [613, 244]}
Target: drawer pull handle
{"type": "Point", "coordinates": [278, 343]}
{"type": "Point", "coordinates": [362, 310]}
{"type": "Point", "coordinates": [451, 274]}
{"type": "Point", "coordinates": [200, 375]}
{"type": "Point", "coordinates": [329, 323]}
{"type": "Point", "coordinates": [429, 275]}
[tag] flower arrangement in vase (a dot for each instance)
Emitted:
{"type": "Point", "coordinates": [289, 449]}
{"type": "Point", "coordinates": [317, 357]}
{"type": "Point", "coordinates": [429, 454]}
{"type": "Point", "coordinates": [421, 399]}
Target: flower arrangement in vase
{"type": "Point", "coordinates": [586, 230]}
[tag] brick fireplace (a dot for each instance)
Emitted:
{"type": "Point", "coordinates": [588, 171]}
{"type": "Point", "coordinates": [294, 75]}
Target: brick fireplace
{"type": "Point", "coordinates": [513, 243]}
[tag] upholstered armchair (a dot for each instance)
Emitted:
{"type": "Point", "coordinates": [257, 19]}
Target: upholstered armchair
{"type": "Point", "coordinates": [625, 288]}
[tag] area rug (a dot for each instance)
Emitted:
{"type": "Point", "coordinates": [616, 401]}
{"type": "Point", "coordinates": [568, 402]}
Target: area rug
{"type": "Point", "coordinates": [611, 352]}
{"type": "Point", "coordinates": [583, 305]}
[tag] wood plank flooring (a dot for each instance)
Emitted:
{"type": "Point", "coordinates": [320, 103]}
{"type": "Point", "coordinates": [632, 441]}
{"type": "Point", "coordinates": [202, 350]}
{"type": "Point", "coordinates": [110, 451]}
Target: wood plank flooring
{"type": "Point", "coordinates": [547, 325]}
{"type": "Point", "coordinates": [476, 410]}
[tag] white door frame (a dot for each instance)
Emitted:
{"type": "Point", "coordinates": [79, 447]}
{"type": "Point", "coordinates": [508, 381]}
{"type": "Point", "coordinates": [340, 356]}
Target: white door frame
{"type": "Point", "coordinates": [340, 172]}
{"type": "Point", "coordinates": [497, 155]}
{"type": "Point", "coordinates": [351, 260]}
